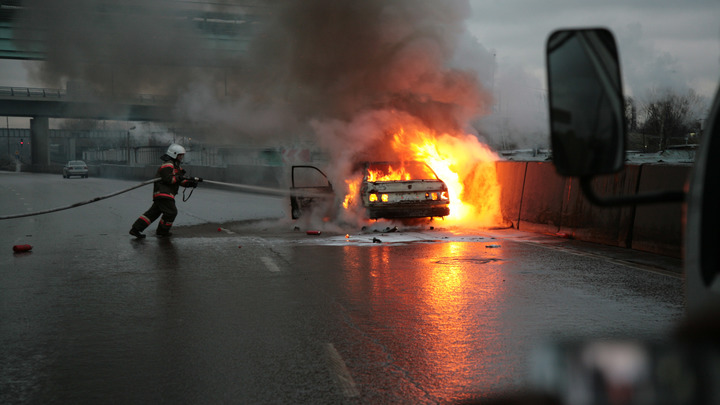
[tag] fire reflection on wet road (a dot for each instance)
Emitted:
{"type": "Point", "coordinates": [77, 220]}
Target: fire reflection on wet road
{"type": "Point", "coordinates": [431, 319]}
{"type": "Point", "coordinates": [439, 322]}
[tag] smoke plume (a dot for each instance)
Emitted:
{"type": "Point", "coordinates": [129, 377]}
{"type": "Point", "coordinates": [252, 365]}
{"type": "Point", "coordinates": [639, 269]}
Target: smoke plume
{"type": "Point", "coordinates": [336, 72]}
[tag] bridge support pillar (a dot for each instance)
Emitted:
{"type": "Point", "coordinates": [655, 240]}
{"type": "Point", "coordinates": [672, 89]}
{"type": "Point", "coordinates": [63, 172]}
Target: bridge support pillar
{"type": "Point", "coordinates": [40, 141]}
{"type": "Point", "coordinates": [71, 149]}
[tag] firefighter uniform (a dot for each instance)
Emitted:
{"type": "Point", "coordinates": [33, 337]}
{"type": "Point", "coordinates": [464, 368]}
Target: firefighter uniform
{"type": "Point", "coordinates": [164, 191]}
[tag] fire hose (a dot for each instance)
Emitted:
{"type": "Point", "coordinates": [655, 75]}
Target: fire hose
{"type": "Point", "coordinates": [67, 207]}
{"type": "Point", "coordinates": [245, 187]}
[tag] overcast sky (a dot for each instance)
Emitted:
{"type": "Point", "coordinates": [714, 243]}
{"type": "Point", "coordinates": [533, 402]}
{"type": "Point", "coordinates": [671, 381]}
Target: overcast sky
{"type": "Point", "coordinates": [661, 42]}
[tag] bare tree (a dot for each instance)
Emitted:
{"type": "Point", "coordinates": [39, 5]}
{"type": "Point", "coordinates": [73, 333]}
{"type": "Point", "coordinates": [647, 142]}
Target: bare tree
{"type": "Point", "coordinates": [631, 114]}
{"type": "Point", "coordinates": [670, 115]}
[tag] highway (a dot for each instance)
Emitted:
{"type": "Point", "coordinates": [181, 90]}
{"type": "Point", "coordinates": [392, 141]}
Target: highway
{"type": "Point", "coordinates": [242, 305]}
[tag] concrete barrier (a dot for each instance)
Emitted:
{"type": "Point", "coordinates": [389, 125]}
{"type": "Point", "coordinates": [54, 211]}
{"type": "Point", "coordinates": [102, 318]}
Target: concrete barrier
{"type": "Point", "coordinates": [267, 176]}
{"type": "Point", "coordinates": [658, 228]}
{"type": "Point", "coordinates": [542, 198]}
{"type": "Point", "coordinates": [607, 225]}
{"type": "Point", "coordinates": [511, 177]}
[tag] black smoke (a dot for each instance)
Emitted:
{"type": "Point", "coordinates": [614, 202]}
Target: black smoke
{"type": "Point", "coordinates": [311, 69]}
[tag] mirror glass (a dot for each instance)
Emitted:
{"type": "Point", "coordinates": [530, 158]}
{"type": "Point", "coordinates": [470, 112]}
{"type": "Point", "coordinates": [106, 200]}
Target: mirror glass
{"type": "Point", "coordinates": [587, 120]}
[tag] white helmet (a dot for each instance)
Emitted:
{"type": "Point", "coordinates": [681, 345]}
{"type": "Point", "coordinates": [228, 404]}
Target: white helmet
{"type": "Point", "coordinates": [174, 150]}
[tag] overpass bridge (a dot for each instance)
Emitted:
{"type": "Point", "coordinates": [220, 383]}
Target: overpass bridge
{"type": "Point", "coordinates": [208, 33]}
{"type": "Point", "coordinates": [43, 104]}
{"type": "Point", "coordinates": [58, 103]}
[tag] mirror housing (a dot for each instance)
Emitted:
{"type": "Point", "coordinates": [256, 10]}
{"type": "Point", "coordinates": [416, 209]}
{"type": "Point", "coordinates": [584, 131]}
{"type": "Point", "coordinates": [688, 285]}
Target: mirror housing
{"type": "Point", "coordinates": [587, 108]}
{"type": "Point", "coordinates": [587, 112]}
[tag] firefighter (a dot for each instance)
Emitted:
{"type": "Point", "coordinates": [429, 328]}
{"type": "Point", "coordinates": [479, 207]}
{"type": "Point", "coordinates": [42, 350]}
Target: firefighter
{"type": "Point", "coordinates": [172, 176]}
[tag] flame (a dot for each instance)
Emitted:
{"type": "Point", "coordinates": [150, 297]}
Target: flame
{"type": "Point", "coordinates": [403, 173]}
{"type": "Point", "coordinates": [353, 189]}
{"type": "Point", "coordinates": [466, 165]}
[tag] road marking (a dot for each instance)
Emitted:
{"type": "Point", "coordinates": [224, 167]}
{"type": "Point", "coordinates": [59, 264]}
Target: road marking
{"type": "Point", "coordinates": [340, 373]}
{"type": "Point", "coordinates": [623, 262]}
{"type": "Point", "coordinates": [270, 264]}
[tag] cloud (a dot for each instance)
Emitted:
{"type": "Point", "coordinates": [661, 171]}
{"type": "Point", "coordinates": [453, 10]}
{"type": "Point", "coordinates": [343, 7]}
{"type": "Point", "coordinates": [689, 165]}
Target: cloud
{"type": "Point", "coordinates": [684, 35]}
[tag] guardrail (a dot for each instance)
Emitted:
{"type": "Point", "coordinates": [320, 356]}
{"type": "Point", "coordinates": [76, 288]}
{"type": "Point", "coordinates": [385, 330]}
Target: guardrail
{"type": "Point", "coordinates": [31, 92]}
{"type": "Point", "coordinates": [42, 93]}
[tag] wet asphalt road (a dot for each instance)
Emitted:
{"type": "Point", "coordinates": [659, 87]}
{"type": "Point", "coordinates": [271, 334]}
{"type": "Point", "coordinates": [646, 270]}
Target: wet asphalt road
{"type": "Point", "coordinates": [235, 309]}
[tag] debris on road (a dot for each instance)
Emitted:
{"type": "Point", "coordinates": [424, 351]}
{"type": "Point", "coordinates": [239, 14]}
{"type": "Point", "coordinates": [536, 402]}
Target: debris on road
{"type": "Point", "coordinates": [21, 248]}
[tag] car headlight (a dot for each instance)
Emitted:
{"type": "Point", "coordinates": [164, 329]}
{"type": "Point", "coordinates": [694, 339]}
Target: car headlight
{"type": "Point", "coordinates": [384, 197]}
{"type": "Point", "coordinates": [373, 197]}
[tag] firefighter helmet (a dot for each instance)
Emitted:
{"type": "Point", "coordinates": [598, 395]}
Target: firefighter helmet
{"type": "Point", "coordinates": [174, 150]}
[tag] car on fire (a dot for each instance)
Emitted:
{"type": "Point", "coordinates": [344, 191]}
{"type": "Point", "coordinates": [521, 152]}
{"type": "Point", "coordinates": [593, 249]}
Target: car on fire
{"type": "Point", "coordinates": [75, 168]}
{"type": "Point", "coordinates": [391, 190]}
{"type": "Point", "coordinates": [403, 190]}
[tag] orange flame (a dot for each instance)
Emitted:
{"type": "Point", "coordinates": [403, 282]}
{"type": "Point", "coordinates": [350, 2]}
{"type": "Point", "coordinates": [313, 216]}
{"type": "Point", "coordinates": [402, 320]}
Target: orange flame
{"type": "Point", "coordinates": [466, 165]}
{"type": "Point", "coordinates": [353, 189]}
{"type": "Point", "coordinates": [404, 173]}
{"type": "Point", "coordinates": [391, 175]}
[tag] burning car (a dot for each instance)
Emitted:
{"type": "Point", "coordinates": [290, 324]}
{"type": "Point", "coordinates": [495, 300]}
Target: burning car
{"type": "Point", "coordinates": [387, 190]}
{"type": "Point", "coordinates": [403, 190]}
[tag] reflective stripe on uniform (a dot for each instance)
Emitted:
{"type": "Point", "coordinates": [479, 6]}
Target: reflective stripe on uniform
{"type": "Point", "coordinates": [144, 218]}
{"type": "Point", "coordinates": [166, 195]}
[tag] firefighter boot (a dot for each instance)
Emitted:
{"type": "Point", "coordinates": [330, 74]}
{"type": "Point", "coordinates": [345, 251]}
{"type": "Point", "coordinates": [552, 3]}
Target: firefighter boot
{"type": "Point", "coordinates": [163, 229]}
{"type": "Point", "coordinates": [137, 234]}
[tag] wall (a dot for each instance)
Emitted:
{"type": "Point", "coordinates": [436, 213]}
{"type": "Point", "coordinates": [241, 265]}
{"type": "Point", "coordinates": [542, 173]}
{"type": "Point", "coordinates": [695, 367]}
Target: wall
{"type": "Point", "coordinates": [535, 198]}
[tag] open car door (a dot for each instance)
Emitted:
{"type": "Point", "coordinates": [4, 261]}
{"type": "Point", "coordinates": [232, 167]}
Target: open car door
{"type": "Point", "coordinates": [310, 189]}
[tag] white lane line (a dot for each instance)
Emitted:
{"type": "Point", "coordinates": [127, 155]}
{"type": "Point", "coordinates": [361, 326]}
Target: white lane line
{"type": "Point", "coordinates": [634, 265]}
{"type": "Point", "coordinates": [340, 373]}
{"type": "Point", "coordinates": [270, 264]}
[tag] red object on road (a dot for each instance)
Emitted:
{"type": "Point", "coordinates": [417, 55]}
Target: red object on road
{"type": "Point", "coordinates": [313, 232]}
{"type": "Point", "coordinates": [21, 248]}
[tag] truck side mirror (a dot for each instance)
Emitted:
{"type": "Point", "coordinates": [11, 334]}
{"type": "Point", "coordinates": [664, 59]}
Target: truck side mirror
{"type": "Point", "coordinates": [587, 112]}
{"type": "Point", "coordinates": [587, 119]}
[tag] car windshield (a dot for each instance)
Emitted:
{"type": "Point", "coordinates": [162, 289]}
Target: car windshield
{"type": "Point", "coordinates": [399, 171]}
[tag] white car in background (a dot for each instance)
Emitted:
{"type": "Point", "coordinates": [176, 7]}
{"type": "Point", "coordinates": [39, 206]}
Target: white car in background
{"type": "Point", "coordinates": [75, 168]}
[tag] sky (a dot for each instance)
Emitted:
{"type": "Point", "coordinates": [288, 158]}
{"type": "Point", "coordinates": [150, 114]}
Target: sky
{"type": "Point", "coordinates": [662, 44]}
